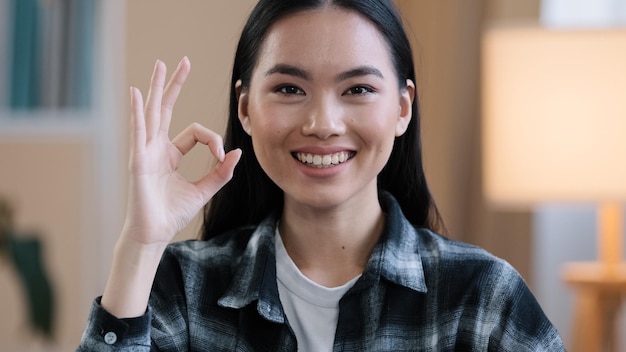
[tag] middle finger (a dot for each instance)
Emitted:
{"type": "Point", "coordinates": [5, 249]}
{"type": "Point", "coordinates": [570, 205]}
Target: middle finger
{"type": "Point", "coordinates": [172, 90]}
{"type": "Point", "coordinates": [153, 102]}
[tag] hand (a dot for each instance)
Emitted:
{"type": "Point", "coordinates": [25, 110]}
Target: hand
{"type": "Point", "coordinates": [162, 202]}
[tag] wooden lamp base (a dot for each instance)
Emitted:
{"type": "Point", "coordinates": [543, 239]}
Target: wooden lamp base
{"type": "Point", "coordinates": [600, 287]}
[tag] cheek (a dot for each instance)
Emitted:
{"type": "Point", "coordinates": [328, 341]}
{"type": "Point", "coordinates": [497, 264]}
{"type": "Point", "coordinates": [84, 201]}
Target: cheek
{"type": "Point", "coordinates": [269, 119]}
{"type": "Point", "coordinates": [267, 130]}
{"type": "Point", "coordinates": [267, 134]}
{"type": "Point", "coordinates": [378, 122]}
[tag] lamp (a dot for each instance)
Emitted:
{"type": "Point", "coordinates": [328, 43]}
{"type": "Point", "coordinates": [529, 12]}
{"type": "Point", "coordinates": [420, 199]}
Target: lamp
{"type": "Point", "coordinates": [554, 130]}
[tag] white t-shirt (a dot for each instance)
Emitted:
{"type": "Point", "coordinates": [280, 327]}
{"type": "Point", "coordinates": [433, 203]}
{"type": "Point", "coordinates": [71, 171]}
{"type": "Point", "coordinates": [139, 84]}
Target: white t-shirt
{"type": "Point", "coordinates": [311, 309]}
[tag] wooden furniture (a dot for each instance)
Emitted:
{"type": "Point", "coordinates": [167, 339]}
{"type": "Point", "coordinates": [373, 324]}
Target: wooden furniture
{"type": "Point", "coordinates": [600, 290]}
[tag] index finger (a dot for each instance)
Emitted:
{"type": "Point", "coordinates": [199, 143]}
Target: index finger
{"type": "Point", "coordinates": [196, 133]}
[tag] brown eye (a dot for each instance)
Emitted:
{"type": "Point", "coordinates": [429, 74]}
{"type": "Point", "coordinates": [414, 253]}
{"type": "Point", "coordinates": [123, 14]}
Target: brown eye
{"type": "Point", "coordinates": [359, 90]}
{"type": "Point", "coordinates": [290, 90]}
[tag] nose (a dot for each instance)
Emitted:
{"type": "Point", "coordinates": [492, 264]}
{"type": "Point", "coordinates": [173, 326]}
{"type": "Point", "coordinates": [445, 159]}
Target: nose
{"type": "Point", "coordinates": [325, 118]}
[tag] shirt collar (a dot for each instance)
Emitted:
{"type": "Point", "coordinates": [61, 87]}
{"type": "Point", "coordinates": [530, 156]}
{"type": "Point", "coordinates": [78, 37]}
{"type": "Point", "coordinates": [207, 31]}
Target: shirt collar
{"type": "Point", "coordinates": [254, 276]}
{"type": "Point", "coordinates": [395, 258]}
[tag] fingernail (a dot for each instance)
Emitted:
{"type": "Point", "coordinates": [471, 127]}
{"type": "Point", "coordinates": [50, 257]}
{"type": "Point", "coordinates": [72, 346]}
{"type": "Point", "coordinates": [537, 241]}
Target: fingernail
{"type": "Point", "coordinates": [180, 63]}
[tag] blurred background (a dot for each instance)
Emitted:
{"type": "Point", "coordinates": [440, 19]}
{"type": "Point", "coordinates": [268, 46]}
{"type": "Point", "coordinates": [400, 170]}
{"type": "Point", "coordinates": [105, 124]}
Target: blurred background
{"type": "Point", "coordinates": [65, 69]}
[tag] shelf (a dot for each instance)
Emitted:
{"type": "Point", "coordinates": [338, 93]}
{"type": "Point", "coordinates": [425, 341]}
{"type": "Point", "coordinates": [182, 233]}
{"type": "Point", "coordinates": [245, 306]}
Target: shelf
{"type": "Point", "coordinates": [47, 124]}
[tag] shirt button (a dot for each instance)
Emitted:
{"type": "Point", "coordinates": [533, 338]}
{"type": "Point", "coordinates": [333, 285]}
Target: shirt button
{"type": "Point", "coordinates": [110, 338]}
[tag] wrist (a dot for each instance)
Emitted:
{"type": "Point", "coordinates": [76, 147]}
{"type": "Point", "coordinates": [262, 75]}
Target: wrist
{"type": "Point", "coordinates": [132, 273]}
{"type": "Point", "coordinates": [130, 248]}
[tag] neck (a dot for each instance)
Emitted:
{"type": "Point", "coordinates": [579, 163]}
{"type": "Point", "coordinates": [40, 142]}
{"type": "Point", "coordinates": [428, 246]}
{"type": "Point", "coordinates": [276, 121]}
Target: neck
{"type": "Point", "coordinates": [331, 246]}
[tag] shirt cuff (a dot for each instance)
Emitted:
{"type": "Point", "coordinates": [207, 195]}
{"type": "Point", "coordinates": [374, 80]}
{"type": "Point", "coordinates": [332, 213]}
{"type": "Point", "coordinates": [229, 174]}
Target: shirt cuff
{"type": "Point", "coordinates": [104, 329]}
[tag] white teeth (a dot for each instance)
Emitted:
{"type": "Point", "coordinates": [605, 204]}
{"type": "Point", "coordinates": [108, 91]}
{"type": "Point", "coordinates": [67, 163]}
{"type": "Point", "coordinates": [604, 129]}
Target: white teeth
{"type": "Point", "coordinates": [323, 160]}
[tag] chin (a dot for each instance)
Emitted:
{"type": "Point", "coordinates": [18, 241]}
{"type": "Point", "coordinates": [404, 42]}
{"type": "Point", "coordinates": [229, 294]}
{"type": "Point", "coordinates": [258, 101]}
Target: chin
{"type": "Point", "coordinates": [322, 199]}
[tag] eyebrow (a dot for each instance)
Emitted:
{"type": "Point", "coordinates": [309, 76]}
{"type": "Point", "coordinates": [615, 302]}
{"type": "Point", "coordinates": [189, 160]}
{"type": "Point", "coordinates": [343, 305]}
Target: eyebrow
{"type": "Point", "coordinates": [359, 72]}
{"type": "Point", "coordinates": [298, 72]}
{"type": "Point", "coordinates": [288, 70]}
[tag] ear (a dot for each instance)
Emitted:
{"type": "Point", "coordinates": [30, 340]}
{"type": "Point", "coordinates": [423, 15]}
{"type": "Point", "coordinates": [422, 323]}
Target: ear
{"type": "Point", "coordinates": [406, 107]}
{"type": "Point", "coordinates": [242, 106]}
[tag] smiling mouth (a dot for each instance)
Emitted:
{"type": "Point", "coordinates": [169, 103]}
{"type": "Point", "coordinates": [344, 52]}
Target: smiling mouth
{"type": "Point", "coordinates": [327, 160]}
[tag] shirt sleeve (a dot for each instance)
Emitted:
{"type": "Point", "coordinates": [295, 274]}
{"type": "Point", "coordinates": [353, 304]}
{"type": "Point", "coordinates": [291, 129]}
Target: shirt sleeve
{"type": "Point", "coordinates": [523, 325]}
{"type": "Point", "coordinates": [105, 332]}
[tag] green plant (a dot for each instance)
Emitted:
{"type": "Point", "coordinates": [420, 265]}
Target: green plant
{"type": "Point", "coordinates": [24, 253]}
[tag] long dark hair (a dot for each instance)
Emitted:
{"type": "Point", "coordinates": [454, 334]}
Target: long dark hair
{"type": "Point", "coordinates": [251, 195]}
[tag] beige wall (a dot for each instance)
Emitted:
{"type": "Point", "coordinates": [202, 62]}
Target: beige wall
{"type": "Point", "coordinates": [512, 10]}
{"type": "Point", "coordinates": [446, 37]}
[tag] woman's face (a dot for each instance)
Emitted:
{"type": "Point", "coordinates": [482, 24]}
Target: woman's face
{"type": "Point", "coordinates": [324, 106]}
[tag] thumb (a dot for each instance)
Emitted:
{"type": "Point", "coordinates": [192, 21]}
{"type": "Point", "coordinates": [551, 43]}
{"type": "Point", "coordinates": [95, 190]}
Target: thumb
{"type": "Point", "coordinates": [219, 175]}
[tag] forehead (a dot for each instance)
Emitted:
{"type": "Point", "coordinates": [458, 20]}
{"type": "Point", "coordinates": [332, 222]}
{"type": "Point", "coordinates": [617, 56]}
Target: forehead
{"type": "Point", "coordinates": [326, 39]}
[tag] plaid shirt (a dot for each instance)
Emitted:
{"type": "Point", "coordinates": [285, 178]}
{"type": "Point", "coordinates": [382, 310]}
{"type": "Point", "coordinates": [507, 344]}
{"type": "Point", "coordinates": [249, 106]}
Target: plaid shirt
{"type": "Point", "coordinates": [419, 292]}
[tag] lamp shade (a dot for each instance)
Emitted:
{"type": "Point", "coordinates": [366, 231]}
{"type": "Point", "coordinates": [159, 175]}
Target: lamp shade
{"type": "Point", "coordinates": [554, 115]}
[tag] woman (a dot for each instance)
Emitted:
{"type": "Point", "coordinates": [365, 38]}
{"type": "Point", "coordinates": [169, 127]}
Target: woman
{"type": "Point", "coordinates": [324, 239]}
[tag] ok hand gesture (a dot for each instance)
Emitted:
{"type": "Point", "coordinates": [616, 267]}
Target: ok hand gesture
{"type": "Point", "coordinates": [161, 201]}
